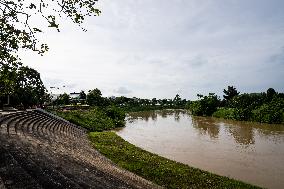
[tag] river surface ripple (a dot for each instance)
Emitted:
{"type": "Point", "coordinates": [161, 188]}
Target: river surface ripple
{"type": "Point", "coordinates": [251, 152]}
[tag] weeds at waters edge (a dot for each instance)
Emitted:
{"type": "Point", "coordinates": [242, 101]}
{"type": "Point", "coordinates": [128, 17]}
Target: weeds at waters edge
{"type": "Point", "coordinates": [159, 170]}
{"type": "Point", "coordinates": [95, 119]}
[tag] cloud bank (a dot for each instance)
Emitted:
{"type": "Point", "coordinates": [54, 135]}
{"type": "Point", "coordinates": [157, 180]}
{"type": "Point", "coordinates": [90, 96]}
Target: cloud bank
{"type": "Point", "coordinates": [161, 48]}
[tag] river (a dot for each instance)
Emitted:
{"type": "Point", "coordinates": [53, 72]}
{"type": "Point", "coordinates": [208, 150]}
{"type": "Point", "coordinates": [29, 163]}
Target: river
{"type": "Point", "coordinates": [251, 152]}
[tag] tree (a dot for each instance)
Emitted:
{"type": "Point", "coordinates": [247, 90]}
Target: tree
{"type": "Point", "coordinates": [27, 88]}
{"type": "Point", "coordinates": [8, 75]}
{"type": "Point", "coordinates": [270, 93]}
{"type": "Point", "coordinates": [205, 106]}
{"type": "Point", "coordinates": [94, 98]}
{"type": "Point", "coordinates": [154, 101]}
{"type": "Point", "coordinates": [63, 99]}
{"type": "Point", "coordinates": [17, 32]}
{"type": "Point", "coordinates": [230, 93]}
{"type": "Point", "coordinates": [177, 100]}
{"type": "Point", "coordinates": [82, 96]}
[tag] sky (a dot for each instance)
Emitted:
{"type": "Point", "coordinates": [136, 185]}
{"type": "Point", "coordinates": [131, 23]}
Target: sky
{"type": "Point", "coordinates": [161, 48]}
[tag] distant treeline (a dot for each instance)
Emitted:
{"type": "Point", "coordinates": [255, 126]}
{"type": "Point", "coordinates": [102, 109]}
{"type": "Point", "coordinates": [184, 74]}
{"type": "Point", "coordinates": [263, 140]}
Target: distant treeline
{"type": "Point", "coordinates": [106, 113]}
{"type": "Point", "coordinates": [25, 89]}
{"type": "Point", "coordinates": [265, 107]}
{"type": "Point", "coordinates": [95, 98]}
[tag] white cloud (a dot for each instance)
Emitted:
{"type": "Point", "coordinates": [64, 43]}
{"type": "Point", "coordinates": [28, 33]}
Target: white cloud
{"type": "Point", "coordinates": [122, 91]}
{"type": "Point", "coordinates": [158, 48]}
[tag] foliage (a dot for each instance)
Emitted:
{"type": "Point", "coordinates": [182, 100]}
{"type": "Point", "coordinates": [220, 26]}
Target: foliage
{"type": "Point", "coordinates": [95, 119]}
{"type": "Point", "coordinates": [270, 112]}
{"type": "Point", "coordinates": [261, 107]}
{"type": "Point", "coordinates": [116, 114]}
{"type": "Point", "coordinates": [139, 104]}
{"type": "Point", "coordinates": [27, 88]}
{"type": "Point", "coordinates": [245, 103]}
{"type": "Point", "coordinates": [8, 76]}
{"type": "Point", "coordinates": [226, 113]}
{"type": "Point", "coordinates": [17, 32]}
{"type": "Point", "coordinates": [63, 99]}
{"type": "Point", "coordinates": [247, 100]}
{"type": "Point", "coordinates": [162, 171]}
{"type": "Point", "coordinates": [230, 93]}
{"type": "Point", "coordinates": [205, 106]}
{"type": "Point", "coordinates": [270, 93]}
{"type": "Point", "coordinates": [154, 101]}
{"type": "Point", "coordinates": [94, 98]}
{"type": "Point", "coordinates": [82, 96]}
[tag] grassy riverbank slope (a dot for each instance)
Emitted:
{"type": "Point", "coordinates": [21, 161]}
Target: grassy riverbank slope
{"type": "Point", "coordinates": [159, 170]}
{"type": "Point", "coordinates": [94, 119]}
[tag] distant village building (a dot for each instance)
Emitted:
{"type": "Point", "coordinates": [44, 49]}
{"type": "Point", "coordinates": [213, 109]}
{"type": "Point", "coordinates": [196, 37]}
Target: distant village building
{"type": "Point", "coordinates": [74, 96]}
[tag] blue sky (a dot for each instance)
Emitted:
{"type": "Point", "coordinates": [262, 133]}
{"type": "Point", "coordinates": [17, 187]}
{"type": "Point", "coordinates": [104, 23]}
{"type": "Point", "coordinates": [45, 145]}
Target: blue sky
{"type": "Point", "coordinates": [159, 48]}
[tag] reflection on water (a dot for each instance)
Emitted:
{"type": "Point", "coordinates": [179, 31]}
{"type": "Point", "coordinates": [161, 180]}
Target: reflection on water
{"type": "Point", "coordinates": [251, 152]}
{"type": "Point", "coordinates": [206, 127]}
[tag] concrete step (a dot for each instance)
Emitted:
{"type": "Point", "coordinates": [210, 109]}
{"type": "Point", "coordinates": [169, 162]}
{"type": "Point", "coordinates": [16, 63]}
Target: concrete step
{"type": "Point", "coordinates": [12, 174]}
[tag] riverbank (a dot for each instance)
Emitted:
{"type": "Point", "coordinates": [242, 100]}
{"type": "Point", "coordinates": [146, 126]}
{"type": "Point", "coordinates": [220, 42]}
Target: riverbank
{"type": "Point", "coordinates": [255, 107]}
{"type": "Point", "coordinates": [39, 150]}
{"type": "Point", "coordinates": [159, 170]}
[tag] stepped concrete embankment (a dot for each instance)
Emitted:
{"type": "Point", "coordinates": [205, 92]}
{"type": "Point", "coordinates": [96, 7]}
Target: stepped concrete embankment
{"type": "Point", "coordinates": [40, 150]}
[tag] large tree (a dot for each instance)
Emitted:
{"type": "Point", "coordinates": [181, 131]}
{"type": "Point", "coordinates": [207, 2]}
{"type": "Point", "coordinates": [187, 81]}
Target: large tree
{"type": "Point", "coordinates": [230, 93]}
{"type": "Point", "coordinates": [94, 97]}
{"type": "Point", "coordinates": [27, 88]}
{"type": "Point", "coordinates": [17, 30]}
{"type": "Point", "coordinates": [8, 75]}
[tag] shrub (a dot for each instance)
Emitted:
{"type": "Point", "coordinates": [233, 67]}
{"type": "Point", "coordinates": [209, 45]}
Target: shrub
{"type": "Point", "coordinates": [117, 115]}
{"type": "Point", "coordinates": [206, 106]}
{"type": "Point", "coordinates": [226, 113]}
{"type": "Point", "coordinates": [270, 113]}
{"type": "Point", "coordinates": [95, 119]}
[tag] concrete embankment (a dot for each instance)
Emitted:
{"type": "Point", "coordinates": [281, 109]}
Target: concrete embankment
{"type": "Point", "coordinates": [39, 150]}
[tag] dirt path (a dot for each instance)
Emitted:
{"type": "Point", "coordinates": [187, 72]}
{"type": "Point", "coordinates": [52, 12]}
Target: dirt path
{"type": "Point", "coordinates": [38, 150]}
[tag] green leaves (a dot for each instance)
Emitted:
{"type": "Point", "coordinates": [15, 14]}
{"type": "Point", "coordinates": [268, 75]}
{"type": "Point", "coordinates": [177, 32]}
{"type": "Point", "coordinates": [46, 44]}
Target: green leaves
{"type": "Point", "coordinates": [18, 32]}
{"type": "Point", "coordinates": [261, 107]}
{"type": "Point", "coordinates": [23, 84]}
{"type": "Point", "coordinates": [95, 119]}
{"type": "Point", "coordinates": [205, 106]}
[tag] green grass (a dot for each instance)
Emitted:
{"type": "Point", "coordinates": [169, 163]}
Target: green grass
{"type": "Point", "coordinates": [95, 119]}
{"type": "Point", "coordinates": [159, 170]}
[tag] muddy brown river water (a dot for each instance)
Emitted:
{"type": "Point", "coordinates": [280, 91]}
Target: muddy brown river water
{"type": "Point", "coordinates": [251, 152]}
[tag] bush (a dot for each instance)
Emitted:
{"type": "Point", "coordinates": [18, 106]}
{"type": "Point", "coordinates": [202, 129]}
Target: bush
{"type": "Point", "coordinates": [206, 106]}
{"type": "Point", "coordinates": [247, 101]}
{"type": "Point", "coordinates": [270, 113]}
{"type": "Point", "coordinates": [95, 119]}
{"type": "Point", "coordinates": [226, 113]}
{"type": "Point", "coordinates": [117, 115]}
{"type": "Point", "coordinates": [196, 108]}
